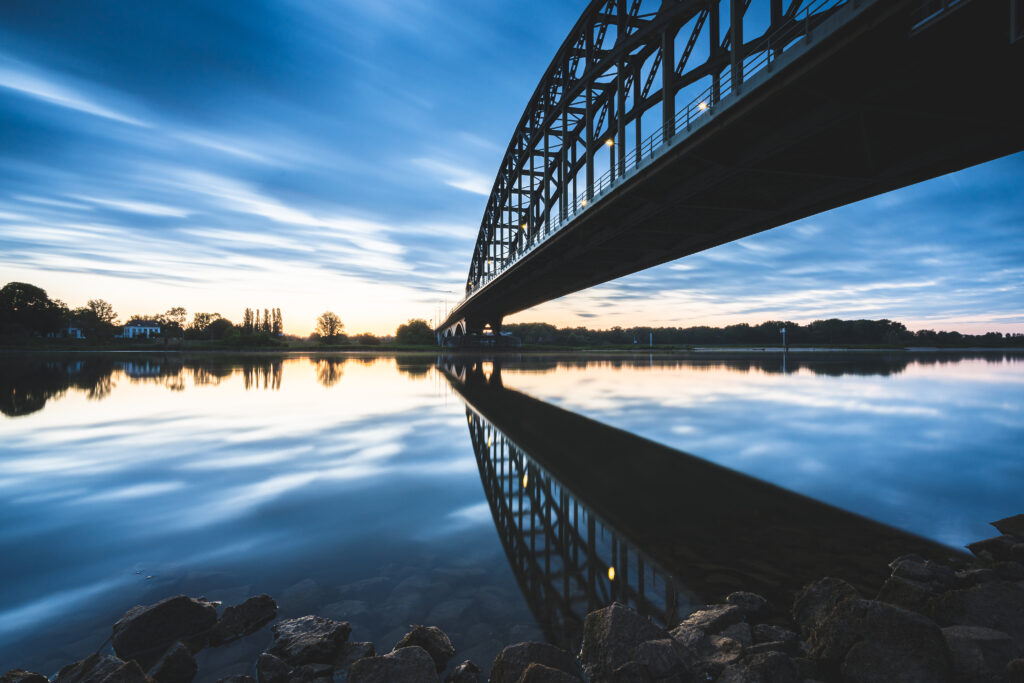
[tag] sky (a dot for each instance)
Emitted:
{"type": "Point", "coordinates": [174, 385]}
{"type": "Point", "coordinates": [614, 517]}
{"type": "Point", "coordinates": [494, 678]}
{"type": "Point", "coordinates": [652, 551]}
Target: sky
{"type": "Point", "coordinates": [314, 155]}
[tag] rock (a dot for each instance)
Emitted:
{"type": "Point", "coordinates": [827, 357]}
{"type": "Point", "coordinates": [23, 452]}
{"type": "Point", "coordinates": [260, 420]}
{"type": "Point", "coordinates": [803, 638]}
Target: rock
{"type": "Point", "coordinates": [769, 646]}
{"type": "Point", "coordinates": [433, 640]}
{"type": "Point", "coordinates": [346, 610]}
{"type": "Point", "coordinates": [1014, 672]}
{"type": "Point", "coordinates": [271, 669]}
{"type": "Point", "coordinates": [144, 633]}
{"type": "Point", "coordinates": [995, 604]}
{"type": "Point", "coordinates": [766, 633]}
{"type": "Point", "coordinates": [307, 673]}
{"type": "Point", "coordinates": [610, 635]}
{"type": "Point", "coordinates": [450, 611]}
{"type": "Point", "coordinates": [997, 548]}
{"type": "Point", "coordinates": [764, 667]}
{"type": "Point", "coordinates": [410, 665]}
{"type": "Point", "coordinates": [538, 673]}
{"type": "Point", "coordinates": [350, 653]}
{"type": "Point", "coordinates": [242, 620]}
{"type": "Point", "coordinates": [906, 593]}
{"type": "Point", "coordinates": [972, 577]}
{"type": "Point", "coordinates": [688, 636]}
{"type": "Point", "coordinates": [309, 640]}
{"type": "Point", "coordinates": [176, 666]}
{"type": "Point", "coordinates": [739, 632]}
{"type": "Point", "coordinates": [365, 587]}
{"type": "Point", "coordinates": [511, 662]}
{"type": "Point", "coordinates": [98, 668]}
{"type": "Point", "coordinates": [867, 641]}
{"type": "Point", "coordinates": [751, 603]}
{"type": "Point", "coordinates": [916, 568]}
{"type": "Point", "coordinates": [979, 654]}
{"type": "Point", "coordinates": [22, 676]}
{"type": "Point", "coordinates": [723, 652]}
{"type": "Point", "coordinates": [631, 672]}
{"type": "Point", "coordinates": [1011, 526]}
{"type": "Point", "coordinates": [661, 659]}
{"type": "Point", "coordinates": [815, 601]}
{"type": "Point", "coordinates": [467, 672]}
{"type": "Point", "coordinates": [1009, 571]}
{"type": "Point", "coordinates": [713, 618]}
{"type": "Point", "coordinates": [236, 679]}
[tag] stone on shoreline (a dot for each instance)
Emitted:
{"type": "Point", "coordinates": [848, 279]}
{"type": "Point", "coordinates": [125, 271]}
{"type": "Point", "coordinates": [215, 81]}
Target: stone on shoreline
{"type": "Point", "coordinates": [97, 668]}
{"type": "Point", "coordinates": [433, 640]}
{"type": "Point", "coordinates": [511, 662]}
{"type": "Point", "coordinates": [271, 669]}
{"type": "Point", "coordinates": [467, 672]}
{"type": "Point", "coordinates": [764, 667]}
{"type": "Point", "coordinates": [410, 665]}
{"type": "Point", "coordinates": [997, 605]}
{"type": "Point", "coordinates": [610, 637]}
{"type": "Point", "coordinates": [176, 666]}
{"type": "Point", "coordinates": [539, 673]}
{"type": "Point", "coordinates": [145, 632]}
{"type": "Point", "coordinates": [714, 618]}
{"type": "Point", "coordinates": [1011, 526]}
{"type": "Point", "coordinates": [242, 620]}
{"type": "Point", "coordinates": [752, 604]}
{"type": "Point", "coordinates": [815, 601]}
{"type": "Point", "coordinates": [309, 640]}
{"type": "Point", "coordinates": [22, 676]}
{"type": "Point", "coordinates": [979, 654]}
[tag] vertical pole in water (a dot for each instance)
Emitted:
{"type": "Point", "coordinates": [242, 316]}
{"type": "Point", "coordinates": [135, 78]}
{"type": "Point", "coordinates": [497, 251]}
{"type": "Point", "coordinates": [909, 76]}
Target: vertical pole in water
{"type": "Point", "coordinates": [652, 340]}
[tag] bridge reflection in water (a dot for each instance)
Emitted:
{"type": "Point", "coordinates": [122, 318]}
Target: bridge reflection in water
{"type": "Point", "coordinates": [589, 514]}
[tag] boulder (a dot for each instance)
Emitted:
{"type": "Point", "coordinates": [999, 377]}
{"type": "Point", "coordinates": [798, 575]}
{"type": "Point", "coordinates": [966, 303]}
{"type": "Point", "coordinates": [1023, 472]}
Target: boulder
{"type": "Point", "coordinates": [1014, 672]}
{"type": "Point", "coordinates": [611, 634]}
{"type": "Point", "coordinates": [236, 679]}
{"type": "Point", "coordinates": [242, 620]}
{"type": "Point", "coordinates": [995, 604]}
{"type": "Point", "coordinates": [815, 601]}
{"type": "Point", "coordinates": [631, 672]}
{"type": "Point", "coordinates": [866, 641]}
{"type": "Point", "coordinates": [979, 654]}
{"type": "Point", "coordinates": [739, 632]}
{"type": "Point", "coordinates": [433, 640]}
{"type": "Point", "coordinates": [271, 669]}
{"type": "Point", "coordinates": [144, 633]}
{"type": "Point", "coordinates": [97, 668]}
{"type": "Point", "coordinates": [511, 662]}
{"type": "Point", "coordinates": [997, 548]}
{"type": "Point", "coordinates": [539, 673]}
{"type": "Point", "coordinates": [410, 665]}
{"type": "Point", "coordinates": [467, 672]}
{"type": "Point", "coordinates": [308, 673]}
{"type": "Point", "coordinates": [1009, 571]}
{"type": "Point", "coordinates": [722, 652]}
{"type": "Point", "coordinates": [916, 568]}
{"type": "Point", "coordinates": [352, 652]}
{"type": "Point", "coordinates": [752, 604]}
{"type": "Point", "coordinates": [22, 676]}
{"type": "Point", "coordinates": [714, 618]}
{"type": "Point", "coordinates": [309, 640]}
{"type": "Point", "coordinates": [176, 666]}
{"type": "Point", "coordinates": [661, 659]}
{"type": "Point", "coordinates": [768, 633]}
{"type": "Point", "coordinates": [967, 578]}
{"type": "Point", "coordinates": [906, 593]}
{"type": "Point", "coordinates": [1011, 526]}
{"type": "Point", "coordinates": [764, 667]}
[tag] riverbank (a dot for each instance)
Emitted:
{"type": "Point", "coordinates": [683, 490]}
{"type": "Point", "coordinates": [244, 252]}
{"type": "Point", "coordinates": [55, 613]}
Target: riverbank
{"type": "Point", "coordinates": [930, 622]}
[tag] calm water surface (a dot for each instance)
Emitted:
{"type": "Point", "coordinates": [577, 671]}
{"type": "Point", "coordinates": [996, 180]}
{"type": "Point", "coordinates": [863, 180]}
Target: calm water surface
{"type": "Point", "coordinates": [364, 488]}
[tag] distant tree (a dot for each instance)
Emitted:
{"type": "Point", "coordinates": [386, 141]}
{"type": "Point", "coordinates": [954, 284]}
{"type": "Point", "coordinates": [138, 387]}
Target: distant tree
{"type": "Point", "coordinates": [329, 325]}
{"type": "Point", "coordinates": [367, 339]}
{"type": "Point", "coordinates": [266, 321]}
{"type": "Point", "coordinates": [277, 328]}
{"type": "Point", "coordinates": [415, 332]}
{"type": "Point", "coordinates": [102, 311]}
{"type": "Point", "coordinates": [248, 322]}
{"type": "Point", "coordinates": [221, 328]}
{"type": "Point", "coordinates": [27, 308]}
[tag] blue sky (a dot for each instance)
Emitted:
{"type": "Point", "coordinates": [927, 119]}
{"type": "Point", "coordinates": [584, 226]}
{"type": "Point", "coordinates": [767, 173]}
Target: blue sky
{"type": "Point", "coordinates": [315, 154]}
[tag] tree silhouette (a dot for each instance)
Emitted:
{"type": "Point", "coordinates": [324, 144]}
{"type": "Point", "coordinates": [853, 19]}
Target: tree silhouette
{"type": "Point", "coordinates": [329, 325]}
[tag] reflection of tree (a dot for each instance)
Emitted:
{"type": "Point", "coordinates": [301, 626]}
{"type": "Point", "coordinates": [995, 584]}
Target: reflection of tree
{"type": "Point", "coordinates": [329, 371]}
{"type": "Point", "coordinates": [262, 375]}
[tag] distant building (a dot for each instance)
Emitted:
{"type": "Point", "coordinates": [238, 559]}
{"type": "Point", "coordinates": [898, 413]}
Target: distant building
{"type": "Point", "coordinates": [141, 328]}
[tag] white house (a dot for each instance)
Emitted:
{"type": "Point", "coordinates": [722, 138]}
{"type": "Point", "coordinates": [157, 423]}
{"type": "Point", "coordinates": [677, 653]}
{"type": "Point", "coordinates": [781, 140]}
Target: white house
{"type": "Point", "coordinates": [141, 328]}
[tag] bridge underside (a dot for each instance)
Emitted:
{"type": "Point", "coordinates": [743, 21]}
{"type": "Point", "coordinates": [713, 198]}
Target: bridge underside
{"type": "Point", "coordinates": [874, 108]}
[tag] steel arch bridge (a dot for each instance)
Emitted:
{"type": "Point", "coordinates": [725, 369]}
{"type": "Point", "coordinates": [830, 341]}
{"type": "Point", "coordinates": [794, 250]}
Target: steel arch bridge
{"type": "Point", "coordinates": [664, 127]}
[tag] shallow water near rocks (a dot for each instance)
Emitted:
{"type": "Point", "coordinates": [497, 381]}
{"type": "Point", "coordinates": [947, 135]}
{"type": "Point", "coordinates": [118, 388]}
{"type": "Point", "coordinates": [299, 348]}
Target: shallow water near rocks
{"type": "Point", "coordinates": [364, 488]}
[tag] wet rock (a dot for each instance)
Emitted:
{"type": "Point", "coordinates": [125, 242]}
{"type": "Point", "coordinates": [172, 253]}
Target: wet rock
{"type": "Point", "coordinates": [511, 662]}
{"type": "Point", "coordinates": [236, 679]}
{"type": "Point", "coordinates": [433, 640]}
{"type": "Point", "coordinates": [467, 672]}
{"type": "Point", "coordinates": [906, 593]}
{"type": "Point", "coordinates": [769, 646]}
{"type": "Point", "coordinates": [365, 587]}
{"type": "Point", "coordinates": [714, 618]}
{"type": "Point", "coordinates": [346, 610]}
{"type": "Point", "coordinates": [98, 668]}
{"type": "Point", "coordinates": [631, 672]}
{"type": "Point", "coordinates": [1011, 526]}
{"type": "Point", "coordinates": [409, 665]}
{"type": "Point", "coordinates": [353, 651]}
{"type": "Point", "coordinates": [661, 659]}
{"type": "Point", "coordinates": [610, 636]}
{"type": "Point", "coordinates": [752, 604]}
{"type": "Point", "coordinates": [242, 620]}
{"type": "Point", "coordinates": [522, 633]}
{"type": "Point", "coordinates": [815, 601]}
{"type": "Point", "coordinates": [764, 667]}
{"type": "Point", "coordinates": [309, 640]}
{"type": "Point", "coordinates": [1014, 672]}
{"type": "Point", "coordinates": [997, 548]}
{"type": "Point", "coordinates": [996, 605]}
{"type": "Point", "coordinates": [144, 633]}
{"type": "Point", "coordinates": [739, 632]}
{"type": "Point", "coordinates": [308, 673]}
{"type": "Point", "coordinates": [867, 641]}
{"type": "Point", "coordinates": [176, 666]}
{"type": "Point", "coordinates": [22, 676]}
{"type": "Point", "coordinates": [301, 597]}
{"type": "Point", "coordinates": [688, 636]}
{"type": "Point", "coordinates": [457, 575]}
{"type": "Point", "coordinates": [916, 568]}
{"type": "Point", "coordinates": [979, 654]}
{"type": "Point", "coordinates": [967, 578]}
{"type": "Point", "coordinates": [401, 608]}
{"type": "Point", "coordinates": [451, 611]}
{"type": "Point", "coordinates": [539, 673]}
{"type": "Point", "coordinates": [766, 633]}
{"type": "Point", "coordinates": [271, 669]}
{"type": "Point", "coordinates": [1009, 571]}
{"type": "Point", "coordinates": [723, 652]}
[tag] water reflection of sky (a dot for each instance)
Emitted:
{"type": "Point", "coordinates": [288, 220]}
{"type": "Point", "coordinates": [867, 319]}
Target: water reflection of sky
{"type": "Point", "coordinates": [254, 477]}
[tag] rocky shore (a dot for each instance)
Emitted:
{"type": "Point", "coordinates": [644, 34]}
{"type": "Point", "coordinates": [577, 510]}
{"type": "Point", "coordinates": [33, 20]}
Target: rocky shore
{"type": "Point", "coordinates": [929, 623]}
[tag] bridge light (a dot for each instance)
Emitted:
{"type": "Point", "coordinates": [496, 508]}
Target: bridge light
{"type": "Point", "coordinates": [583, 202]}
{"type": "Point", "coordinates": [609, 142]}
{"type": "Point", "coordinates": [526, 480]}
{"type": "Point", "coordinates": [611, 573]}
{"type": "Point", "coordinates": [523, 226]}
{"type": "Point", "coordinates": [702, 106]}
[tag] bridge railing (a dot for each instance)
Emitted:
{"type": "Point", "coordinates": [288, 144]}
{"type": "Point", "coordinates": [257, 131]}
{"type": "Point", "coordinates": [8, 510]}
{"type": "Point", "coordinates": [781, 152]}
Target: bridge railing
{"type": "Point", "coordinates": [797, 30]}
